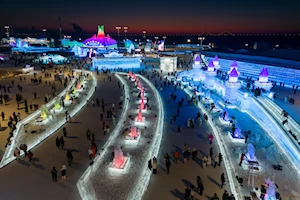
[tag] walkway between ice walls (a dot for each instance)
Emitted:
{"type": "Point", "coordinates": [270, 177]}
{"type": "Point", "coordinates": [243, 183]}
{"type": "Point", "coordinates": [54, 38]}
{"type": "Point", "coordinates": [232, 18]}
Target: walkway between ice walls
{"type": "Point", "coordinates": [19, 134]}
{"type": "Point", "coordinates": [258, 112]}
{"type": "Point", "coordinates": [84, 184]}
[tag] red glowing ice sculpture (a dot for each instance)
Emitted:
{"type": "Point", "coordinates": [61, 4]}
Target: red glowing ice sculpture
{"type": "Point", "coordinates": [78, 86]}
{"type": "Point", "coordinates": [142, 105]}
{"type": "Point", "coordinates": [140, 116]}
{"type": "Point", "coordinates": [118, 157]}
{"type": "Point", "coordinates": [133, 132]}
{"type": "Point", "coordinates": [142, 95]}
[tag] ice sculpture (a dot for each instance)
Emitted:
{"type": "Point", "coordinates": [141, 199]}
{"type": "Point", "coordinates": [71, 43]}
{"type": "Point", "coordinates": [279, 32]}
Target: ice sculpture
{"type": "Point", "coordinates": [225, 118]}
{"type": "Point", "coordinates": [211, 67]}
{"type": "Point", "coordinates": [237, 135]}
{"type": "Point", "coordinates": [74, 90]}
{"type": "Point", "coordinates": [133, 137]}
{"type": "Point", "coordinates": [118, 157]}
{"type": "Point", "coordinates": [142, 106]}
{"type": "Point", "coordinates": [197, 61]}
{"type": "Point", "coordinates": [271, 190]}
{"type": "Point", "coordinates": [67, 97]}
{"type": "Point", "coordinates": [139, 85]}
{"type": "Point", "coordinates": [216, 62]}
{"type": "Point", "coordinates": [44, 112]}
{"type": "Point", "coordinates": [140, 116]}
{"type": "Point", "coordinates": [130, 74]}
{"type": "Point", "coordinates": [263, 80]}
{"type": "Point", "coordinates": [232, 86]}
{"type": "Point", "coordinates": [57, 104]}
{"type": "Point", "coordinates": [78, 86]}
{"type": "Point", "coordinates": [139, 119]}
{"type": "Point", "coordinates": [251, 152]}
{"type": "Point", "coordinates": [210, 76]}
{"type": "Point", "coordinates": [100, 40]}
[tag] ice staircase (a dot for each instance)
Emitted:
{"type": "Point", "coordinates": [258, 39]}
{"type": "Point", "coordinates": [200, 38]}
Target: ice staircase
{"type": "Point", "coordinates": [204, 60]}
{"type": "Point", "coordinates": [276, 111]}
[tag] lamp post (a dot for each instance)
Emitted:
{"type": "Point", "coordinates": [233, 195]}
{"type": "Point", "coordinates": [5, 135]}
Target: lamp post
{"type": "Point", "coordinates": [201, 39]}
{"type": "Point", "coordinates": [144, 36]}
{"type": "Point", "coordinates": [125, 31]}
{"type": "Point", "coordinates": [118, 28]}
{"type": "Point", "coordinates": [164, 37]}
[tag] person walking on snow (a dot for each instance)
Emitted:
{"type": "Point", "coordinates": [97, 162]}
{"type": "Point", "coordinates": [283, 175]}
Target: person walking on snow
{"type": "Point", "coordinates": [90, 152]}
{"type": "Point", "coordinates": [150, 164]}
{"type": "Point", "coordinates": [210, 138]}
{"type": "Point", "coordinates": [176, 156]}
{"type": "Point", "coordinates": [63, 172]}
{"type": "Point", "coordinates": [57, 142]}
{"type": "Point", "coordinates": [241, 159]}
{"type": "Point", "coordinates": [200, 185]}
{"type": "Point", "coordinates": [220, 159]}
{"type": "Point", "coordinates": [222, 180]}
{"type": "Point", "coordinates": [154, 165]}
{"type": "Point", "coordinates": [30, 155]}
{"type": "Point", "coordinates": [216, 159]}
{"type": "Point", "coordinates": [54, 174]}
{"type": "Point", "coordinates": [62, 142]}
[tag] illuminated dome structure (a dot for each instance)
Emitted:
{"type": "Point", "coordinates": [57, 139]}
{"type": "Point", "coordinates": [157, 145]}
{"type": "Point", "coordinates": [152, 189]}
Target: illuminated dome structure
{"type": "Point", "coordinates": [100, 40]}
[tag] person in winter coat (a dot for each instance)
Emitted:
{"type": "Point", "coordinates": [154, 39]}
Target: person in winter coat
{"type": "Point", "coordinates": [30, 155]}
{"type": "Point", "coordinates": [150, 164]}
{"type": "Point", "coordinates": [154, 165]}
{"type": "Point", "coordinates": [208, 163]}
{"type": "Point", "coordinates": [200, 185]}
{"type": "Point", "coordinates": [215, 197]}
{"type": "Point", "coordinates": [176, 156]}
{"type": "Point", "coordinates": [187, 193]}
{"type": "Point", "coordinates": [222, 180]}
{"type": "Point", "coordinates": [216, 159]}
{"type": "Point", "coordinates": [90, 152]}
{"type": "Point", "coordinates": [69, 157]}
{"type": "Point", "coordinates": [225, 195]}
{"type": "Point", "coordinates": [88, 134]}
{"type": "Point", "coordinates": [204, 161]}
{"type": "Point", "coordinates": [220, 159]}
{"type": "Point", "coordinates": [54, 174]}
{"type": "Point", "coordinates": [194, 154]}
{"type": "Point", "coordinates": [168, 164]}
{"type": "Point", "coordinates": [17, 153]}
{"type": "Point", "coordinates": [65, 131]}
{"type": "Point", "coordinates": [62, 142]}
{"type": "Point", "coordinates": [63, 172]}
{"type": "Point", "coordinates": [241, 159]}
{"type": "Point", "coordinates": [192, 194]}
{"type": "Point", "coordinates": [57, 142]}
{"type": "Point", "coordinates": [210, 138]}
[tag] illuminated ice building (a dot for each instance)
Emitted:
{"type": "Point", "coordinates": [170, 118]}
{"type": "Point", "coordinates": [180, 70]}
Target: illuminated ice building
{"type": "Point", "coordinates": [100, 40]}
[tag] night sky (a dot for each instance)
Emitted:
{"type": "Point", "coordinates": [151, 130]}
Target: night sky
{"type": "Point", "coordinates": [156, 16]}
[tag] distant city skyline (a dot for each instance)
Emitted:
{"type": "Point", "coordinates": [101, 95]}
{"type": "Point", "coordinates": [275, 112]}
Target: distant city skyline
{"type": "Point", "coordinates": [190, 16]}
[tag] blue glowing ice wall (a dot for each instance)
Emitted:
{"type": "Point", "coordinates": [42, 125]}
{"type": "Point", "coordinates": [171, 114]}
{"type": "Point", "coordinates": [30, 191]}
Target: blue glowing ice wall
{"type": "Point", "coordinates": [115, 63]}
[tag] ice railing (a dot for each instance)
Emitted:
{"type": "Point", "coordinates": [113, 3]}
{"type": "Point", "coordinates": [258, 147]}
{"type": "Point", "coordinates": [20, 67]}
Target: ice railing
{"type": "Point", "coordinates": [275, 110]}
{"type": "Point", "coordinates": [84, 185]}
{"type": "Point", "coordinates": [19, 133]}
{"type": "Point", "coordinates": [275, 131]}
{"type": "Point", "coordinates": [224, 151]}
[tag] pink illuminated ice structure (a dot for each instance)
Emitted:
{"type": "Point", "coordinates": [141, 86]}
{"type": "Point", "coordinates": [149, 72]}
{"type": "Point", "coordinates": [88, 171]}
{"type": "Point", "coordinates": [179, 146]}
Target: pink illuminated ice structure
{"type": "Point", "coordinates": [133, 78]}
{"type": "Point", "coordinates": [142, 106]}
{"type": "Point", "coordinates": [78, 87]}
{"type": "Point", "coordinates": [139, 119]}
{"type": "Point", "coordinates": [130, 74]}
{"type": "Point", "coordinates": [120, 161]}
{"type": "Point", "coordinates": [140, 116]}
{"type": "Point", "coordinates": [139, 85]}
{"type": "Point", "coordinates": [133, 137]}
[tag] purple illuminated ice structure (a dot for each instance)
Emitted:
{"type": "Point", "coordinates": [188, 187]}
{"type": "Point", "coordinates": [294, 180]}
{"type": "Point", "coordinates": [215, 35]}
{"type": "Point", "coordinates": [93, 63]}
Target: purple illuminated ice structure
{"type": "Point", "coordinates": [234, 64]}
{"type": "Point", "coordinates": [264, 72]}
{"type": "Point", "coordinates": [271, 191]}
{"type": "Point", "coordinates": [237, 133]}
{"type": "Point", "coordinates": [216, 58]}
{"type": "Point", "coordinates": [197, 59]}
{"type": "Point", "coordinates": [251, 152]}
{"type": "Point", "coordinates": [233, 73]}
{"type": "Point", "coordinates": [211, 64]}
{"type": "Point", "coordinates": [226, 118]}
